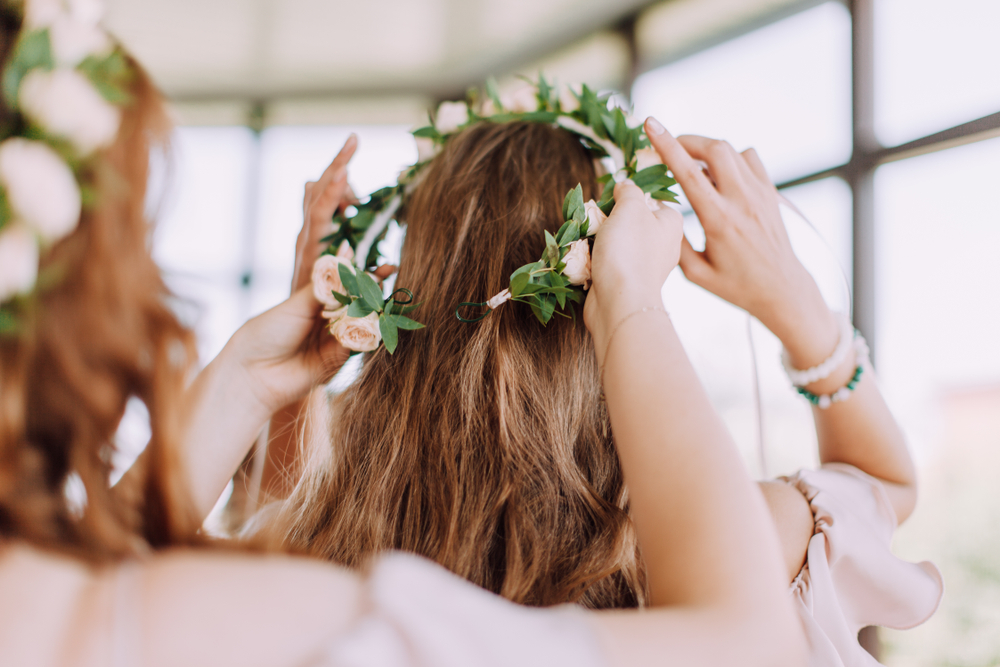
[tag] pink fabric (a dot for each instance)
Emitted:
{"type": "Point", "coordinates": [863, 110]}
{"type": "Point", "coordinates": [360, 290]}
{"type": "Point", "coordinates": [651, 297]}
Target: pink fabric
{"type": "Point", "coordinates": [421, 615]}
{"type": "Point", "coordinates": [851, 578]}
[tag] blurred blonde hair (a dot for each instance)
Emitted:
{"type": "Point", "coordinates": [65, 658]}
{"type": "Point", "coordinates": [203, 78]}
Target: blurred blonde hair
{"type": "Point", "coordinates": [485, 447]}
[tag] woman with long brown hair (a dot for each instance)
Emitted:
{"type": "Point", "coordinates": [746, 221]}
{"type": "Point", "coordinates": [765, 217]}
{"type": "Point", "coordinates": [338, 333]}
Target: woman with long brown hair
{"type": "Point", "coordinates": [489, 448]}
{"type": "Point", "coordinates": [122, 576]}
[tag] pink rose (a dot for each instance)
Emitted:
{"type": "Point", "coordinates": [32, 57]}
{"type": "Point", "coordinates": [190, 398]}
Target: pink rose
{"type": "Point", "coordinates": [577, 262]}
{"type": "Point", "coordinates": [326, 279]}
{"type": "Point", "coordinates": [646, 157]}
{"type": "Point", "coordinates": [595, 216]}
{"type": "Point", "coordinates": [360, 334]}
{"type": "Point", "coordinates": [451, 116]}
{"type": "Point", "coordinates": [524, 99]}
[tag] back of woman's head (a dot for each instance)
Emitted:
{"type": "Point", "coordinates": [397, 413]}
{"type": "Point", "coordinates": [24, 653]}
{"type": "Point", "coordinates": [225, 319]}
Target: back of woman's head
{"type": "Point", "coordinates": [485, 446]}
{"type": "Point", "coordinates": [96, 330]}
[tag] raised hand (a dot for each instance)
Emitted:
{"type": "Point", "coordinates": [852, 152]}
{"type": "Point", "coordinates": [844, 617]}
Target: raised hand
{"type": "Point", "coordinates": [634, 252]}
{"type": "Point", "coordinates": [748, 259]}
{"type": "Point", "coordinates": [285, 351]}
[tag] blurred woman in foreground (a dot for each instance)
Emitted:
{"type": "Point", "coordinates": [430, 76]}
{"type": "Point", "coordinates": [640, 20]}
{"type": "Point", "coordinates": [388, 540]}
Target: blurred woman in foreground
{"type": "Point", "coordinates": [123, 577]}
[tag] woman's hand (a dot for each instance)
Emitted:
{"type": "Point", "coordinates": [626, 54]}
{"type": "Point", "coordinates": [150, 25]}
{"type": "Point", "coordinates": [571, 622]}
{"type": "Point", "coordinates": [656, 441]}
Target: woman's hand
{"type": "Point", "coordinates": [748, 259]}
{"type": "Point", "coordinates": [634, 252]}
{"type": "Point", "coordinates": [284, 351]}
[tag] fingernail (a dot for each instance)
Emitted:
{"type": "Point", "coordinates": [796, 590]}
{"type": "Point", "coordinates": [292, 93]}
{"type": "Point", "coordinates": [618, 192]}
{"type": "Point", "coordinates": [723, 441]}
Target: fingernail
{"type": "Point", "coordinates": [653, 126]}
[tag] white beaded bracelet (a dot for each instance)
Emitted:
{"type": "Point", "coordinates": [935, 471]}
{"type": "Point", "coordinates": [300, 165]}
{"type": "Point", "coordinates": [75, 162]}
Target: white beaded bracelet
{"type": "Point", "coordinates": [861, 361]}
{"type": "Point", "coordinates": [832, 363]}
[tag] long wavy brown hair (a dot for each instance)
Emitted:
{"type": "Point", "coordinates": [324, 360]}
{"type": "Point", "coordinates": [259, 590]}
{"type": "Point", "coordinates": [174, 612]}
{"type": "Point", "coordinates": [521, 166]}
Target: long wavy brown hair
{"type": "Point", "coordinates": [485, 447]}
{"type": "Point", "coordinates": [98, 331]}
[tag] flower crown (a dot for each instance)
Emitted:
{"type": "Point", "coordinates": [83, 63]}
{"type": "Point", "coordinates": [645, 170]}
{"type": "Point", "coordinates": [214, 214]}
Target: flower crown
{"type": "Point", "coordinates": [64, 83]}
{"type": "Point", "coordinates": [361, 318]}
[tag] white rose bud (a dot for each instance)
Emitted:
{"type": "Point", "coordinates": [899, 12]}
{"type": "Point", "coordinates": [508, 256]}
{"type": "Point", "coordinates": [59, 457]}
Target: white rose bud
{"type": "Point", "coordinates": [41, 189]}
{"type": "Point", "coordinates": [72, 41]}
{"type": "Point", "coordinates": [65, 104]}
{"type": "Point", "coordinates": [568, 102]}
{"type": "Point", "coordinates": [18, 260]}
{"type": "Point", "coordinates": [360, 334]}
{"type": "Point", "coordinates": [577, 262]}
{"type": "Point", "coordinates": [646, 157]}
{"type": "Point", "coordinates": [595, 217]}
{"type": "Point", "coordinates": [451, 116]}
{"type": "Point", "coordinates": [326, 279]}
{"type": "Point", "coordinates": [522, 100]}
{"type": "Point", "coordinates": [427, 148]}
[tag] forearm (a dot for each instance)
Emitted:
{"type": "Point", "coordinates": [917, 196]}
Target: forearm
{"type": "Point", "coordinates": [677, 455]}
{"type": "Point", "coordinates": [223, 419]}
{"type": "Point", "coordinates": [860, 431]}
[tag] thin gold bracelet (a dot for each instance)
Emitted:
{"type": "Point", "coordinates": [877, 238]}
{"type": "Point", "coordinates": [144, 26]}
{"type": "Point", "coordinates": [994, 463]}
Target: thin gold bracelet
{"type": "Point", "coordinates": [611, 338]}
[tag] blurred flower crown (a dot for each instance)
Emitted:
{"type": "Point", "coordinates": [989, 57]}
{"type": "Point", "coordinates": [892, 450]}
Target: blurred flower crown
{"type": "Point", "coordinates": [363, 319]}
{"type": "Point", "coordinates": [64, 84]}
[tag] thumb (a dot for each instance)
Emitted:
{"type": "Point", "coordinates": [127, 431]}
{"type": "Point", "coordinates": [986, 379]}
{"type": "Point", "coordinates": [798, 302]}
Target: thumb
{"type": "Point", "coordinates": [695, 266]}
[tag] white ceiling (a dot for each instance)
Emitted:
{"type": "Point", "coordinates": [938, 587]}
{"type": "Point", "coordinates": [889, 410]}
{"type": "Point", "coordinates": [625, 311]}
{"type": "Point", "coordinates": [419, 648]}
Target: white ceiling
{"type": "Point", "coordinates": [337, 52]}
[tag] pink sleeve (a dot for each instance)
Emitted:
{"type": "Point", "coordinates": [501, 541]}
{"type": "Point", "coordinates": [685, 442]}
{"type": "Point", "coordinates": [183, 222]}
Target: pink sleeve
{"type": "Point", "coordinates": [851, 578]}
{"type": "Point", "coordinates": [421, 615]}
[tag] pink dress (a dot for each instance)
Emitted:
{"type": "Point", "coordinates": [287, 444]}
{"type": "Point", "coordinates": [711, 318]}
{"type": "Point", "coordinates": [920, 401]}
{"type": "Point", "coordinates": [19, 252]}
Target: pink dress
{"type": "Point", "coordinates": [851, 579]}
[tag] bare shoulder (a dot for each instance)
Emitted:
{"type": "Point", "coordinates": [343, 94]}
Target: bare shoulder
{"type": "Point", "coordinates": [794, 521]}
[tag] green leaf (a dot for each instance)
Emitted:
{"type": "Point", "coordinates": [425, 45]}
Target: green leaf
{"type": "Point", "coordinates": [543, 307]}
{"type": "Point", "coordinates": [552, 256]}
{"type": "Point", "coordinates": [493, 91]}
{"type": "Point", "coordinates": [9, 324]}
{"type": "Point", "coordinates": [342, 298]}
{"type": "Point", "coordinates": [359, 308]}
{"type": "Point", "coordinates": [649, 175]}
{"type": "Point", "coordinates": [348, 279]}
{"type": "Point", "coordinates": [532, 288]}
{"type": "Point", "coordinates": [364, 219]}
{"type": "Point", "coordinates": [369, 290]}
{"type": "Point", "coordinates": [665, 195]}
{"type": "Point", "coordinates": [518, 281]}
{"type": "Point", "coordinates": [404, 322]}
{"type": "Point", "coordinates": [33, 49]}
{"type": "Point", "coordinates": [390, 334]}
{"type": "Point", "coordinates": [428, 132]}
{"type": "Point", "coordinates": [571, 232]}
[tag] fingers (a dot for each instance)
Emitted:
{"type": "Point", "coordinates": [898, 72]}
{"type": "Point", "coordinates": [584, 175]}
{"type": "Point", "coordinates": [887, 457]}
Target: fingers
{"type": "Point", "coordinates": [339, 164]}
{"type": "Point", "coordinates": [686, 170]}
{"type": "Point", "coordinates": [723, 162]}
{"type": "Point", "coordinates": [756, 166]}
{"type": "Point", "coordinates": [694, 264]}
{"type": "Point", "coordinates": [385, 271]}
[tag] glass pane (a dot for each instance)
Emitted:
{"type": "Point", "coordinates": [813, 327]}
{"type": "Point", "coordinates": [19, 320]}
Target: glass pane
{"type": "Point", "coordinates": [823, 240]}
{"type": "Point", "coordinates": [938, 326]}
{"type": "Point", "coordinates": [935, 65]}
{"type": "Point", "coordinates": [784, 89]}
{"type": "Point", "coordinates": [715, 335]}
{"type": "Point", "coordinates": [291, 156]}
{"type": "Point", "coordinates": [201, 230]}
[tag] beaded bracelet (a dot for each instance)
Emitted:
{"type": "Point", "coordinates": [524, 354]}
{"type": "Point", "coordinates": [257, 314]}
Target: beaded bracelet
{"type": "Point", "coordinates": [826, 400]}
{"type": "Point", "coordinates": [832, 363]}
